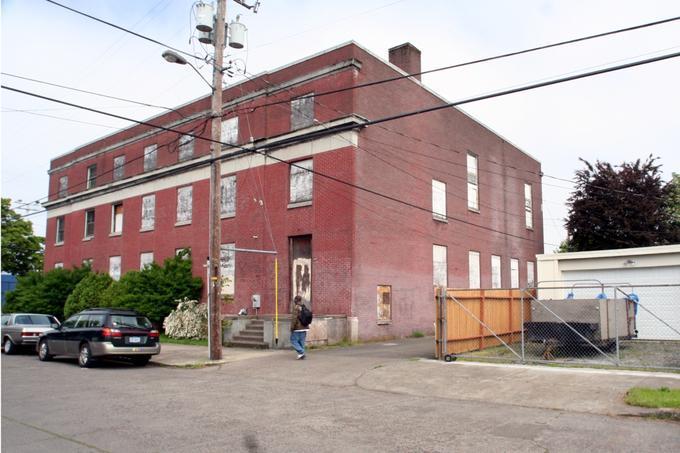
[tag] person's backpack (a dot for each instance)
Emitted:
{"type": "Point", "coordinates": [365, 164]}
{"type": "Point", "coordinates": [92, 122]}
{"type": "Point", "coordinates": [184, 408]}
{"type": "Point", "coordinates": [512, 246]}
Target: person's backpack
{"type": "Point", "coordinates": [305, 316]}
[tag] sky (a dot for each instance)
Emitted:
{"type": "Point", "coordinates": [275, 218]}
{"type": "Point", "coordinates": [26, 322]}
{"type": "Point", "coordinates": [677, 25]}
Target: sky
{"type": "Point", "coordinates": [616, 117]}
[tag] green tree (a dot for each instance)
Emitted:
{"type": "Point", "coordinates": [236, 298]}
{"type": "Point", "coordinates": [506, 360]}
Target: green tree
{"type": "Point", "coordinates": [46, 293]}
{"type": "Point", "coordinates": [674, 204]}
{"type": "Point", "coordinates": [22, 251]}
{"type": "Point", "coordinates": [620, 207]}
{"type": "Point", "coordinates": [90, 292]}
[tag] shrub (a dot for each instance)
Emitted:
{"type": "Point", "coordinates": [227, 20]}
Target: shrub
{"type": "Point", "coordinates": [188, 320]}
{"type": "Point", "coordinates": [90, 292]}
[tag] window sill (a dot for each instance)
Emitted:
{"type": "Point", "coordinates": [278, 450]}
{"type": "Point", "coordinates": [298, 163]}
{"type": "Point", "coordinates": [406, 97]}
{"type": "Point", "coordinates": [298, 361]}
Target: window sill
{"type": "Point", "coordinates": [228, 216]}
{"type": "Point", "coordinates": [184, 223]}
{"type": "Point", "coordinates": [440, 219]}
{"type": "Point", "coordinates": [144, 230]}
{"type": "Point", "coordinates": [115, 233]}
{"type": "Point", "coordinates": [384, 323]}
{"type": "Point", "coordinates": [530, 228]}
{"type": "Point", "coordinates": [299, 204]}
{"type": "Point", "coordinates": [59, 244]}
{"type": "Point", "coordinates": [476, 211]}
{"type": "Point", "coordinates": [88, 238]}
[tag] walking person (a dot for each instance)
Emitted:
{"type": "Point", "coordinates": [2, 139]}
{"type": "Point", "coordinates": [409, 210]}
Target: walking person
{"type": "Point", "coordinates": [299, 325]}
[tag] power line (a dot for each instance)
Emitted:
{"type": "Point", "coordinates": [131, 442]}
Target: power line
{"type": "Point", "coordinates": [59, 118]}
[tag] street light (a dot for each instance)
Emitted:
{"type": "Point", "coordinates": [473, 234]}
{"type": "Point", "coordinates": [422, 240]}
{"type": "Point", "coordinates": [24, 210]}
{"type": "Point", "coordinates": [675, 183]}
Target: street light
{"type": "Point", "coordinates": [174, 57]}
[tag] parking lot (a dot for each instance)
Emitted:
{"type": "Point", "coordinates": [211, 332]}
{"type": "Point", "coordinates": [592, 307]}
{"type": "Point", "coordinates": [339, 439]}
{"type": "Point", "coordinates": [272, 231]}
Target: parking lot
{"type": "Point", "coordinates": [376, 397]}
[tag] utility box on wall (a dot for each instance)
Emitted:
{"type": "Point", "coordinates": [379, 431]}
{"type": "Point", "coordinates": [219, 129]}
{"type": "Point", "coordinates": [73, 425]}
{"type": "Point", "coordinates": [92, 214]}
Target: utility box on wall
{"type": "Point", "coordinates": [256, 300]}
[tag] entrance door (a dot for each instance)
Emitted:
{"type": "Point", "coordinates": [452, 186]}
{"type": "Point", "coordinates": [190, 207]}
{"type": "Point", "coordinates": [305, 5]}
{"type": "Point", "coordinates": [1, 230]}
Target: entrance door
{"type": "Point", "coordinates": [301, 268]}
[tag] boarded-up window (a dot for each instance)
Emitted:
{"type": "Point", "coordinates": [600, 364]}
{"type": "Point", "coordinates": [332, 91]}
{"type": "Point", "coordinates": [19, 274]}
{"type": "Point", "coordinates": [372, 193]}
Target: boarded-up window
{"type": "Point", "coordinates": [228, 200]}
{"type": "Point", "coordinates": [473, 270]}
{"type": "Point", "coordinates": [186, 147]}
{"type": "Point", "coordinates": [114, 267]}
{"type": "Point", "coordinates": [58, 265]}
{"type": "Point", "coordinates": [301, 181]}
{"type": "Point", "coordinates": [439, 266]}
{"type": "Point", "coordinates": [230, 131]}
{"type": "Point", "coordinates": [184, 203]}
{"type": "Point", "coordinates": [514, 273]}
{"type": "Point", "coordinates": [184, 252]}
{"type": "Point", "coordinates": [91, 176]}
{"type": "Point", "coordinates": [117, 218]}
{"type": "Point", "coordinates": [531, 280]}
{"type": "Point", "coordinates": [438, 200]}
{"type": "Point", "coordinates": [472, 182]}
{"type": "Point", "coordinates": [495, 271]}
{"type": "Point", "coordinates": [384, 304]}
{"type": "Point", "coordinates": [148, 212]}
{"type": "Point", "coordinates": [118, 168]}
{"type": "Point", "coordinates": [227, 268]}
{"type": "Point", "coordinates": [528, 207]}
{"type": "Point", "coordinates": [63, 186]}
{"type": "Point", "coordinates": [302, 112]}
{"type": "Point", "coordinates": [145, 259]}
{"type": "Point", "coordinates": [59, 238]}
{"type": "Point", "coordinates": [89, 223]}
{"type": "Point", "coordinates": [301, 268]}
{"type": "Point", "coordinates": [150, 153]}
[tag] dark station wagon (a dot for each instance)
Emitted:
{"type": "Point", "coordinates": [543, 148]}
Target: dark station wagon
{"type": "Point", "coordinates": [99, 333]}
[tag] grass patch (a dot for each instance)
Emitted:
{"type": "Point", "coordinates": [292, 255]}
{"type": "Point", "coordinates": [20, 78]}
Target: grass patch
{"type": "Point", "coordinates": [657, 398]}
{"type": "Point", "coordinates": [417, 334]}
{"type": "Point", "coordinates": [166, 339]}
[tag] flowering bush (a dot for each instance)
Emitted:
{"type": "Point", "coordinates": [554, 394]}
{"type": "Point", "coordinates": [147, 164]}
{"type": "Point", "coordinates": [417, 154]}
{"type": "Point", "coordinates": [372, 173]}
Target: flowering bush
{"type": "Point", "coordinates": [188, 320]}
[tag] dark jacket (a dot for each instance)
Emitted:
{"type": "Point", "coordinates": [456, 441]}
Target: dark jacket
{"type": "Point", "coordinates": [295, 323]}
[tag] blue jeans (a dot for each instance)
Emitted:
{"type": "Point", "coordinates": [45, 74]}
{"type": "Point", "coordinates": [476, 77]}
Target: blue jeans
{"type": "Point", "coordinates": [297, 339]}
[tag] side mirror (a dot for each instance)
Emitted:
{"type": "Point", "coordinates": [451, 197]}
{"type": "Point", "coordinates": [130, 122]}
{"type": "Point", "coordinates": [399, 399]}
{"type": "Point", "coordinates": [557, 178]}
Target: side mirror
{"type": "Point", "coordinates": [54, 325]}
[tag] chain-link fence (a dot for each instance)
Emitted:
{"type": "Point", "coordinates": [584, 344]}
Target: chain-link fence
{"type": "Point", "coordinates": [581, 323]}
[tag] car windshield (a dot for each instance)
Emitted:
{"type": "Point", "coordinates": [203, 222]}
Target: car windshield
{"type": "Point", "coordinates": [130, 321]}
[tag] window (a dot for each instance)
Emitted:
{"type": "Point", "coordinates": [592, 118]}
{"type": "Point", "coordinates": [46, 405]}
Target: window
{"type": "Point", "coordinates": [301, 180]}
{"type": "Point", "coordinates": [473, 270]}
{"type": "Point", "coordinates": [114, 267]}
{"type": "Point", "coordinates": [227, 268]}
{"type": "Point", "coordinates": [89, 223]}
{"type": "Point", "coordinates": [228, 199]}
{"type": "Point", "coordinates": [472, 182]}
{"type": "Point", "coordinates": [438, 200]}
{"type": "Point", "coordinates": [148, 212]}
{"type": "Point", "coordinates": [59, 239]}
{"type": "Point", "coordinates": [439, 266]}
{"type": "Point", "coordinates": [91, 176]}
{"type": "Point", "coordinates": [184, 252]}
{"type": "Point", "coordinates": [87, 262]}
{"type": "Point", "coordinates": [58, 265]}
{"type": "Point", "coordinates": [145, 259]}
{"type": "Point", "coordinates": [302, 112]}
{"type": "Point", "coordinates": [514, 273]}
{"type": "Point", "coordinates": [496, 271]}
{"type": "Point", "coordinates": [150, 153]}
{"type": "Point", "coordinates": [184, 200]}
{"type": "Point", "coordinates": [384, 304]}
{"type": "Point", "coordinates": [230, 131]}
{"type": "Point", "coordinates": [63, 186]}
{"type": "Point", "coordinates": [531, 280]}
{"type": "Point", "coordinates": [118, 168]}
{"type": "Point", "coordinates": [117, 218]}
{"type": "Point", "coordinates": [186, 147]}
{"type": "Point", "coordinates": [528, 208]}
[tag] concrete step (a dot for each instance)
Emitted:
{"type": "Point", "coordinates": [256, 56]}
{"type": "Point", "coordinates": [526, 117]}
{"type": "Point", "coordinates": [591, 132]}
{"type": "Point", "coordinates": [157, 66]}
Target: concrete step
{"type": "Point", "coordinates": [250, 334]}
{"type": "Point", "coordinates": [245, 343]}
{"type": "Point", "coordinates": [254, 328]}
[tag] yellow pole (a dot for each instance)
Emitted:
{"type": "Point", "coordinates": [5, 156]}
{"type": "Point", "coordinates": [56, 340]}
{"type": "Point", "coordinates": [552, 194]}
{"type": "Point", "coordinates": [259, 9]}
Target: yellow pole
{"type": "Point", "coordinates": [276, 300]}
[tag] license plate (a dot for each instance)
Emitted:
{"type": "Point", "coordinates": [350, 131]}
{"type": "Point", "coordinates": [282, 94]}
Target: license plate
{"type": "Point", "coordinates": [134, 339]}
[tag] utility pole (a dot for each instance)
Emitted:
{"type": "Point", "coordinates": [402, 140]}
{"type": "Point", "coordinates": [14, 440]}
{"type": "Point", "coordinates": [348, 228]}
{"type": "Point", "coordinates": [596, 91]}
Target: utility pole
{"type": "Point", "coordinates": [215, 337]}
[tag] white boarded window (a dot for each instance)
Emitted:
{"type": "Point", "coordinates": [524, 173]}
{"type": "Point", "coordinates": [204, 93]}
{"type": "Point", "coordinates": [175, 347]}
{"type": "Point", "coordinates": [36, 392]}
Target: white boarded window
{"type": "Point", "coordinates": [88, 262]}
{"type": "Point", "coordinates": [301, 179]}
{"type": "Point", "coordinates": [63, 186]}
{"type": "Point", "coordinates": [184, 252]}
{"type": "Point", "coordinates": [495, 271]}
{"type": "Point", "coordinates": [117, 218]}
{"type": "Point", "coordinates": [439, 266]}
{"type": "Point", "coordinates": [114, 267]}
{"type": "Point", "coordinates": [148, 212]}
{"type": "Point", "coordinates": [228, 199]}
{"type": "Point", "coordinates": [118, 168]}
{"type": "Point", "coordinates": [150, 153]}
{"type": "Point", "coordinates": [384, 304]}
{"type": "Point", "coordinates": [528, 207]}
{"type": "Point", "coordinates": [531, 280]}
{"type": "Point", "coordinates": [184, 202]}
{"type": "Point", "coordinates": [302, 112]}
{"type": "Point", "coordinates": [227, 268]}
{"type": "Point", "coordinates": [472, 182]}
{"type": "Point", "coordinates": [91, 176]}
{"type": "Point", "coordinates": [145, 259]}
{"type": "Point", "coordinates": [186, 147]}
{"type": "Point", "coordinates": [473, 270]}
{"type": "Point", "coordinates": [58, 265]}
{"type": "Point", "coordinates": [59, 237]}
{"type": "Point", "coordinates": [230, 131]}
{"type": "Point", "coordinates": [514, 273]}
{"type": "Point", "coordinates": [438, 200]}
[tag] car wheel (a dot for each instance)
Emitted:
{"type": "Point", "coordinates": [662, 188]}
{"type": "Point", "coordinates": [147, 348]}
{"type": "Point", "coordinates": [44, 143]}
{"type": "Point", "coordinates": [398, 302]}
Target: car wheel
{"type": "Point", "coordinates": [44, 352]}
{"type": "Point", "coordinates": [141, 361]}
{"type": "Point", "coordinates": [8, 347]}
{"type": "Point", "coordinates": [85, 356]}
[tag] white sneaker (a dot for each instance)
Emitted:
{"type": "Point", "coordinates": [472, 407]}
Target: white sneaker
{"type": "Point", "coordinates": [300, 356]}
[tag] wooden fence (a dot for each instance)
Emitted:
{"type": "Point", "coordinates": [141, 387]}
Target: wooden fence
{"type": "Point", "coordinates": [460, 321]}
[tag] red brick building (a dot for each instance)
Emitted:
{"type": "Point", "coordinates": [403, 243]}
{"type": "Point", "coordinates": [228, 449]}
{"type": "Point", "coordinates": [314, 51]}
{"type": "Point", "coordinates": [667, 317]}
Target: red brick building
{"type": "Point", "coordinates": [141, 194]}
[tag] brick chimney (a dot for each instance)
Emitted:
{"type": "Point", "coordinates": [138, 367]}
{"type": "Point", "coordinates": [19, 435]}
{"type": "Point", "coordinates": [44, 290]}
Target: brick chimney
{"type": "Point", "coordinates": [406, 57]}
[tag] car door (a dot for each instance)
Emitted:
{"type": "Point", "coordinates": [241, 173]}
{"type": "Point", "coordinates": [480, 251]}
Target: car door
{"type": "Point", "coordinates": [74, 336]}
{"type": "Point", "coordinates": [56, 339]}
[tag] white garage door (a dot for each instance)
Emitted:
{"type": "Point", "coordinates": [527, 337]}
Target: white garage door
{"type": "Point", "coordinates": [662, 301]}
